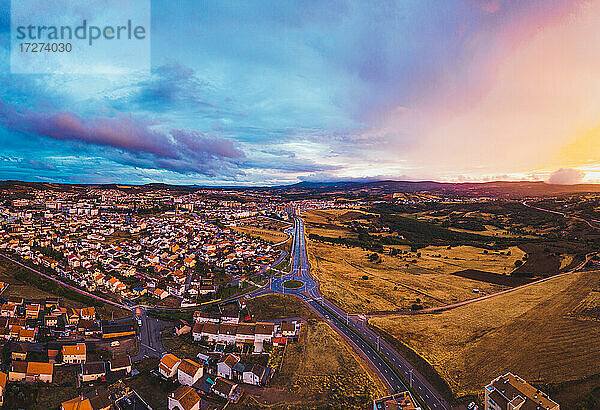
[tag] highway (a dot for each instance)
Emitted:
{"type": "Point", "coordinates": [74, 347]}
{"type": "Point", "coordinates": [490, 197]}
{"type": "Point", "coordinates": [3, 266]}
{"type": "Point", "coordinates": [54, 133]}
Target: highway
{"type": "Point", "coordinates": [384, 359]}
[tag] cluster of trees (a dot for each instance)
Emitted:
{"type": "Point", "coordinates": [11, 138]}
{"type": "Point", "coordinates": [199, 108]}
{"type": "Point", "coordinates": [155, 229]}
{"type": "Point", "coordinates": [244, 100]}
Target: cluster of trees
{"type": "Point", "coordinates": [366, 244]}
{"type": "Point", "coordinates": [50, 252]}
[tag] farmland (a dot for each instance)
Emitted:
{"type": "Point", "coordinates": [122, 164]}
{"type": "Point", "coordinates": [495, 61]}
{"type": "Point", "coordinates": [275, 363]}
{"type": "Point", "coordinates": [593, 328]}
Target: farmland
{"type": "Point", "coordinates": [361, 282]}
{"type": "Point", "coordinates": [537, 332]}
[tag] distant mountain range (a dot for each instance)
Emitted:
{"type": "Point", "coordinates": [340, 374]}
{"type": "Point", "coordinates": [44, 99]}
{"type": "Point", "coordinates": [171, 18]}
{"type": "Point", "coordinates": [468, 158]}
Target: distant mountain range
{"type": "Point", "coordinates": [493, 189]}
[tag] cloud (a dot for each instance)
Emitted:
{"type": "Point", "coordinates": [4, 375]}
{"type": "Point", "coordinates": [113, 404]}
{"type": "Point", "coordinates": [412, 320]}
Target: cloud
{"type": "Point", "coordinates": [135, 141]}
{"type": "Point", "coordinates": [566, 176]}
{"type": "Point", "coordinates": [170, 84]}
{"type": "Point", "coordinates": [488, 6]}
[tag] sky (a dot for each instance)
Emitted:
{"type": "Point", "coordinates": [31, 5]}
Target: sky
{"type": "Point", "coordinates": [272, 92]}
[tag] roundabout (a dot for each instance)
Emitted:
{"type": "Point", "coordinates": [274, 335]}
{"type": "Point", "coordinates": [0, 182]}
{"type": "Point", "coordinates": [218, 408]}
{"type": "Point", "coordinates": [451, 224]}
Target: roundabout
{"type": "Point", "coordinates": [293, 284]}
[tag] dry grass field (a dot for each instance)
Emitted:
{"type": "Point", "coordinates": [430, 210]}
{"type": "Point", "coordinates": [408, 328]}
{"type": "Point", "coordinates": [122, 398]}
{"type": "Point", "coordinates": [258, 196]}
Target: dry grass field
{"type": "Point", "coordinates": [319, 371]}
{"type": "Point", "coordinates": [399, 282]}
{"type": "Point", "coordinates": [264, 234]}
{"type": "Point", "coordinates": [531, 332]}
{"type": "Point", "coordinates": [276, 306]}
{"type": "Point", "coordinates": [331, 222]}
{"type": "Point", "coordinates": [450, 260]}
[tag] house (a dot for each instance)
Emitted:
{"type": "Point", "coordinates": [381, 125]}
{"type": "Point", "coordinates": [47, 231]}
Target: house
{"type": "Point", "coordinates": [209, 331]}
{"type": "Point", "coordinates": [189, 372]}
{"type": "Point", "coordinates": [91, 371]}
{"type": "Point", "coordinates": [51, 320]}
{"type": "Point", "coordinates": [88, 313]}
{"type": "Point", "coordinates": [225, 366]}
{"type": "Point", "coordinates": [200, 316]}
{"type": "Point", "coordinates": [17, 371]}
{"type": "Point", "coordinates": [160, 294]}
{"type": "Point", "coordinates": [31, 371]}
{"type": "Point", "coordinates": [402, 400]}
{"type": "Point", "coordinates": [287, 329]}
{"type": "Point", "coordinates": [53, 350]}
{"type": "Point", "coordinates": [18, 351]}
{"type": "Point", "coordinates": [74, 354]}
{"type": "Point", "coordinates": [112, 330]}
{"type": "Point", "coordinates": [78, 403]}
{"type": "Point", "coordinates": [121, 363]}
{"type": "Point", "coordinates": [227, 333]}
{"type": "Point", "coordinates": [510, 392]}
{"type": "Point", "coordinates": [279, 341]}
{"type": "Point", "coordinates": [182, 328]}
{"type": "Point", "coordinates": [184, 398]}
{"type": "Point", "coordinates": [257, 375]}
{"type": "Point", "coordinates": [72, 317]}
{"type": "Point", "coordinates": [32, 311]}
{"type": "Point", "coordinates": [244, 334]}
{"type": "Point", "coordinates": [100, 400]}
{"type": "Point", "coordinates": [27, 335]}
{"type": "Point", "coordinates": [38, 371]}
{"type": "Point", "coordinates": [8, 310]}
{"type": "Point", "coordinates": [227, 389]}
{"type": "Point", "coordinates": [263, 332]}
{"type": "Point", "coordinates": [168, 365]}
{"type": "Point", "coordinates": [231, 316]}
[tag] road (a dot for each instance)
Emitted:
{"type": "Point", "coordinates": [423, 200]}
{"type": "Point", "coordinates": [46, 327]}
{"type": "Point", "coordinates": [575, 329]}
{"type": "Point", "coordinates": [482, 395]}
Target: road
{"type": "Point", "coordinates": [149, 334]}
{"type": "Point", "coordinates": [388, 363]}
{"type": "Point", "coordinates": [565, 215]}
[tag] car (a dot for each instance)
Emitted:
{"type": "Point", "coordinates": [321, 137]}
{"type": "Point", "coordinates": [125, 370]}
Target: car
{"type": "Point", "coordinates": [115, 343]}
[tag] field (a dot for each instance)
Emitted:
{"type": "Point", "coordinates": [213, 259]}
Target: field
{"type": "Point", "coordinates": [26, 290]}
{"type": "Point", "coordinates": [183, 345]}
{"type": "Point", "coordinates": [269, 307]}
{"type": "Point", "coordinates": [533, 332]}
{"type": "Point", "coordinates": [267, 229]}
{"type": "Point", "coordinates": [333, 222]}
{"type": "Point", "coordinates": [319, 371]}
{"type": "Point", "coordinates": [358, 284]}
{"type": "Point", "coordinates": [264, 234]}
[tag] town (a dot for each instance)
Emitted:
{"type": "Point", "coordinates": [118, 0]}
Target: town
{"type": "Point", "coordinates": [218, 297]}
